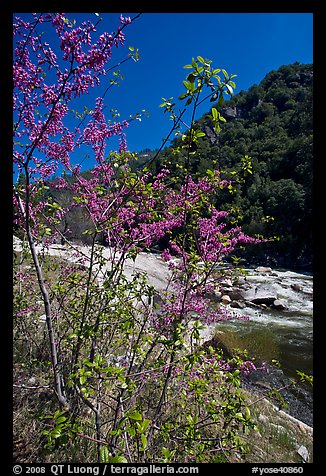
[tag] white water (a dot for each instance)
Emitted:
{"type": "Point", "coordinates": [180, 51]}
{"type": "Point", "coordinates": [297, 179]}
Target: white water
{"type": "Point", "coordinates": [292, 328]}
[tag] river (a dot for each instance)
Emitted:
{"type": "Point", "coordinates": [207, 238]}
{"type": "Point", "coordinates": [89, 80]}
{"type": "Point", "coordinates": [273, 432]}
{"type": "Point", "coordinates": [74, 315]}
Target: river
{"type": "Point", "coordinates": [292, 328]}
{"type": "Point", "coordinates": [290, 331]}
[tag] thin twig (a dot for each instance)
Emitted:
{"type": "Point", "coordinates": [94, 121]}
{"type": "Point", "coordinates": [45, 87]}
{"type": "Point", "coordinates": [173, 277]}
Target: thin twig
{"type": "Point", "coordinates": [100, 442]}
{"type": "Point", "coordinates": [27, 387]}
{"type": "Point", "coordinates": [264, 395]}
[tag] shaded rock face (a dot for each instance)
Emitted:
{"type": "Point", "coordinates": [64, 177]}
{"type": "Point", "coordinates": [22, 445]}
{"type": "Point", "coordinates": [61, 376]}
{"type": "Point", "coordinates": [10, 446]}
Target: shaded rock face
{"type": "Point", "coordinates": [230, 112]}
{"type": "Point", "coordinates": [211, 134]}
{"type": "Point", "coordinates": [298, 398]}
{"type": "Point", "coordinates": [236, 294]}
{"type": "Point", "coordinates": [296, 287]}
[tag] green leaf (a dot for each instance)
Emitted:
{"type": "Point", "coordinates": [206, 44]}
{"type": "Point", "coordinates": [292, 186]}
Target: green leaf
{"type": "Point", "coordinates": [61, 419]}
{"type": "Point", "coordinates": [136, 416]}
{"type": "Point", "coordinates": [145, 425]}
{"type": "Point", "coordinates": [132, 431]}
{"type": "Point", "coordinates": [201, 59]}
{"type": "Point", "coordinates": [56, 433]}
{"type": "Point", "coordinates": [144, 441]}
{"type": "Point", "coordinates": [104, 454]}
{"type": "Point", "coordinates": [118, 459]}
{"type": "Point", "coordinates": [186, 84]}
{"type": "Point", "coordinates": [214, 113]}
{"type": "Point", "coordinates": [190, 86]}
{"type": "Point", "coordinates": [199, 134]}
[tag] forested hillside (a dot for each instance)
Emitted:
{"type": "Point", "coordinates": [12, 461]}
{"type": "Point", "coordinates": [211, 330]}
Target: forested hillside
{"type": "Point", "coordinates": [266, 148]}
{"type": "Point", "coordinates": [272, 124]}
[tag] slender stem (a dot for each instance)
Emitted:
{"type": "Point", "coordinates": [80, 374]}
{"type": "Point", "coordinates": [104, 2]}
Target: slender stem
{"type": "Point", "coordinates": [98, 441]}
{"type": "Point", "coordinates": [86, 302]}
{"type": "Point", "coordinates": [58, 380]}
{"type": "Point", "coordinates": [98, 420]}
{"type": "Point", "coordinates": [162, 397]}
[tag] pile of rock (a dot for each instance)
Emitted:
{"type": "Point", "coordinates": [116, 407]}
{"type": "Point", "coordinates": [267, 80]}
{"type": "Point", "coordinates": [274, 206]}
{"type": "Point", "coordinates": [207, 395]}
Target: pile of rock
{"type": "Point", "coordinates": [241, 293]}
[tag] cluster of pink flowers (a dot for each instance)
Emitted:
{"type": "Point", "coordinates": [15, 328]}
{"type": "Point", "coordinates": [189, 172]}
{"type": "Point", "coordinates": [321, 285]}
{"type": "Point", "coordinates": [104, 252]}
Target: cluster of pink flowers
{"type": "Point", "coordinates": [98, 131]}
{"type": "Point", "coordinates": [133, 211]}
{"type": "Point", "coordinates": [23, 277]}
{"type": "Point", "coordinates": [45, 81]}
{"type": "Point", "coordinates": [247, 367]}
{"type": "Point", "coordinates": [40, 108]}
{"type": "Point", "coordinates": [125, 20]}
{"type": "Point", "coordinates": [28, 310]}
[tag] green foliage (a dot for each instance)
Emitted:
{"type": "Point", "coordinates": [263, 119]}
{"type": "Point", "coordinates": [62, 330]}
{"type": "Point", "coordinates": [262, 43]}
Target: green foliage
{"type": "Point", "coordinates": [148, 387]}
{"type": "Point", "coordinates": [272, 124]}
{"type": "Point", "coordinates": [138, 385]}
{"type": "Point", "coordinates": [203, 74]}
{"type": "Point", "coordinates": [62, 428]}
{"type": "Point", "coordinates": [106, 457]}
{"type": "Point", "coordinates": [305, 378]}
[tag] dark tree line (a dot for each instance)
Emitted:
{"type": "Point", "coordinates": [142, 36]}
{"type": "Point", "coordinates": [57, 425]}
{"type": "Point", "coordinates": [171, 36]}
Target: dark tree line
{"type": "Point", "coordinates": [272, 124]}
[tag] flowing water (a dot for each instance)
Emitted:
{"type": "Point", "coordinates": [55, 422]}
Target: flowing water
{"type": "Point", "coordinates": [292, 328]}
{"type": "Point", "coordinates": [290, 332]}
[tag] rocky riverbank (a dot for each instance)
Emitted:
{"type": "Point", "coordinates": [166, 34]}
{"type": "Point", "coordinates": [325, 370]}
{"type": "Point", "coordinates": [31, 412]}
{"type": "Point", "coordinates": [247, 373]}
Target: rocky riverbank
{"type": "Point", "coordinates": [280, 300]}
{"type": "Point", "coordinates": [263, 288]}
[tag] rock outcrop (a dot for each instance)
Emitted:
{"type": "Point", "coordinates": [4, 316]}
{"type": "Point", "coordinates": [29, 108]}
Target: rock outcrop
{"type": "Point", "coordinates": [261, 288]}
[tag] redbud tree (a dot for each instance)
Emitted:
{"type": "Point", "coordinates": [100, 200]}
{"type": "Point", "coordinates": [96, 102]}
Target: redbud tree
{"type": "Point", "coordinates": [129, 374]}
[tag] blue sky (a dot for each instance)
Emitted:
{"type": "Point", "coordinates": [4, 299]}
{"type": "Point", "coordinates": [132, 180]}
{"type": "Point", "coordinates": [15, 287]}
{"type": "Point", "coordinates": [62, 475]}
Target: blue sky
{"type": "Point", "coordinates": [246, 44]}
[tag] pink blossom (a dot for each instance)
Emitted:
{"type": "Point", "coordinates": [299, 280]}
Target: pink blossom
{"type": "Point", "coordinates": [133, 211]}
{"type": "Point", "coordinates": [125, 20]}
{"type": "Point", "coordinates": [247, 367]}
